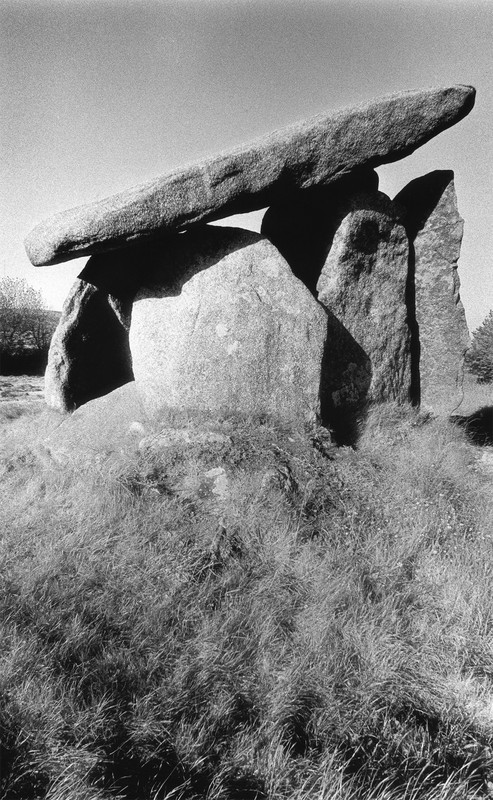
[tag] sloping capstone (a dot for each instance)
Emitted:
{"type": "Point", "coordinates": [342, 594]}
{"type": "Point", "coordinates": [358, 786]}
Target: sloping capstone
{"type": "Point", "coordinates": [254, 176]}
{"type": "Point", "coordinates": [435, 227]}
{"type": "Point", "coordinates": [363, 283]}
{"type": "Point", "coordinates": [224, 325]}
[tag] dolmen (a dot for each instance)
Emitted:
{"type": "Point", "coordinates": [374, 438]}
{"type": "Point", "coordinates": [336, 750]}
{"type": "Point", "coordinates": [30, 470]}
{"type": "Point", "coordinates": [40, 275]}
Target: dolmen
{"type": "Point", "coordinates": [345, 298]}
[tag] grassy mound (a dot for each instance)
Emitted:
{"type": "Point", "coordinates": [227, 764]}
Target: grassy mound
{"type": "Point", "coordinates": [250, 614]}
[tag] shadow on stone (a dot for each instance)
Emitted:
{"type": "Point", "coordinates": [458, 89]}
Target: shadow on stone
{"type": "Point", "coordinates": [420, 198]}
{"type": "Point", "coordinates": [415, 387]}
{"type": "Point", "coordinates": [303, 224]}
{"type": "Point", "coordinates": [345, 383]}
{"type": "Point", "coordinates": [170, 266]}
{"type": "Point", "coordinates": [478, 426]}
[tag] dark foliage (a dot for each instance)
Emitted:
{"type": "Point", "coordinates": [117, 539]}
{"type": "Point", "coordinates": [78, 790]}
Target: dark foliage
{"type": "Point", "coordinates": [479, 358]}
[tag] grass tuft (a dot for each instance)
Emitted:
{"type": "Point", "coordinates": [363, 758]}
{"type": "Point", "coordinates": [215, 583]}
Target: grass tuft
{"type": "Point", "coordinates": [248, 612]}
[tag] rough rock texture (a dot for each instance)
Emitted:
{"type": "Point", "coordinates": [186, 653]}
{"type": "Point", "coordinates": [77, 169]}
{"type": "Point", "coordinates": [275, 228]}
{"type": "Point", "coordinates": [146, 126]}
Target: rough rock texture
{"type": "Point", "coordinates": [302, 225]}
{"type": "Point", "coordinates": [89, 353]}
{"type": "Point", "coordinates": [233, 330]}
{"type": "Point", "coordinates": [254, 176]}
{"type": "Point", "coordinates": [111, 425]}
{"type": "Point", "coordinates": [435, 228]}
{"type": "Point", "coordinates": [363, 282]}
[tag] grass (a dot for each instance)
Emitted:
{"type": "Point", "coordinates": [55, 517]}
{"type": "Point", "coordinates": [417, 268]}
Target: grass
{"type": "Point", "coordinates": [253, 615]}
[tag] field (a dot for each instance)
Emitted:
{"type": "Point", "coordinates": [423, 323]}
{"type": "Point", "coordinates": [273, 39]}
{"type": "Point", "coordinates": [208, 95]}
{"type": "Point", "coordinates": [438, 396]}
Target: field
{"type": "Point", "coordinates": [246, 611]}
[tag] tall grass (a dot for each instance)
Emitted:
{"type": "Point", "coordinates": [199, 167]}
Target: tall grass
{"type": "Point", "coordinates": [318, 625]}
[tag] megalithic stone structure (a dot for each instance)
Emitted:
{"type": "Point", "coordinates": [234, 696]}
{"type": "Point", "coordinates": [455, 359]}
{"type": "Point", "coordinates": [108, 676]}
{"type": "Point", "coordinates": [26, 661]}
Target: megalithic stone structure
{"type": "Point", "coordinates": [304, 155]}
{"type": "Point", "coordinates": [429, 208]}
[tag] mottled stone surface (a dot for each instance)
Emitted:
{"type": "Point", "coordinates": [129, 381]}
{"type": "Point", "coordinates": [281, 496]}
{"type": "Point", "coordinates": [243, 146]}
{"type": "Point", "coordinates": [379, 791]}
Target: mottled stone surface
{"type": "Point", "coordinates": [235, 330]}
{"type": "Point", "coordinates": [111, 425]}
{"type": "Point", "coordinates": [435, 228]}
{"type": "Point", "coordinates": [363, 283]}
{"type": "Point", "coordinates": [89, 353]}
{"type": "Point", "coordinates": [254, 176]}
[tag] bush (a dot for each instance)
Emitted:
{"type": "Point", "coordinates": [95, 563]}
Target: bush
{"type": "Point", "coordinates": [479, 359]}
{"type": "Point", "coordinates": [26, 328]}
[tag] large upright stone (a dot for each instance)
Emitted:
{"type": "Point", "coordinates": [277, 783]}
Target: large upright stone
{"type": "Point", "coordinates": [224, 325]}
{"type": "Point", "coordinates": [435, 229]}
{"type": "Point", "coordinates": [363, 282]}
{"type": "Point", "coordinates": [317, 151]}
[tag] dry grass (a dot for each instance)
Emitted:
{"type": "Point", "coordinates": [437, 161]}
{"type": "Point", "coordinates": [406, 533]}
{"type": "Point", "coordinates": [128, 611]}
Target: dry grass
{"type": "Point", "coordinates": [475, 395]}
{"type": "Point", "coordinates": [320, 629]}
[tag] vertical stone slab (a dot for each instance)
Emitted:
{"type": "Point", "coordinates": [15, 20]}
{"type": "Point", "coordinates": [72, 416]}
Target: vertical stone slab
{"type": "Point", "coordinates": [363, 283]}
{"type": "Point", "coordinates": [431, 216]}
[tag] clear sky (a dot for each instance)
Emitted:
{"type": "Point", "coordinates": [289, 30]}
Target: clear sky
{"type": "Point", "coordinates": [97, 95]}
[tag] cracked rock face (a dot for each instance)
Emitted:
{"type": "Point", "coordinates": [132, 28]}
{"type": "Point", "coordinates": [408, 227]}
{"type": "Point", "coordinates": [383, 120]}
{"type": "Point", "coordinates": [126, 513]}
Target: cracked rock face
{"type": "Point", "coordinates": [363, 283]}
{"type": "Point", "coordinates": [435, 227]}
{"type": "Point", "coordinates": [235, 330]}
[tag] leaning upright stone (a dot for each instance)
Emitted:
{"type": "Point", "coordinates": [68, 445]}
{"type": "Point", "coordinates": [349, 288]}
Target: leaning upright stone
{"type": "Point", "coordinates": [435, 229]}
{"type": "Point", "coordinates": [363, 283]}
{"type": "Point", "coordinates": [318, 151]}
{"type": "Point", "coordinates": [89, 354]}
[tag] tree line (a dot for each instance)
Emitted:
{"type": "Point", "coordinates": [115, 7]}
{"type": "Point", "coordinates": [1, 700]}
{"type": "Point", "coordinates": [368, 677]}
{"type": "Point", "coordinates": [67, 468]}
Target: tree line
{"type": "Point", "coordinates": [26, 328]}
{"type": "Point", "coordinates": [479, 357]}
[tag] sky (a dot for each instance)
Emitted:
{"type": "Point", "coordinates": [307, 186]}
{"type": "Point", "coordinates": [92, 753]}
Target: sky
{"type": "Point", "coordinates": [99, 95]}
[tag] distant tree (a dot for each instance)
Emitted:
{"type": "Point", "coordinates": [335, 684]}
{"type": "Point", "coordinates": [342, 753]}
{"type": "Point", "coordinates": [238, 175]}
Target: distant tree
{"type": "Point", "coordinates": [479, 358]}
{"type": "Point", "coordinates": [26, 327]}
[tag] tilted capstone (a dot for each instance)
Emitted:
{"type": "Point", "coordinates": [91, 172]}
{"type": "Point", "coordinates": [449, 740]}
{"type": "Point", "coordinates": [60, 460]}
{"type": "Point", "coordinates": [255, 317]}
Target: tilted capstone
{"type": "Point", "coordinates": [304, 155]}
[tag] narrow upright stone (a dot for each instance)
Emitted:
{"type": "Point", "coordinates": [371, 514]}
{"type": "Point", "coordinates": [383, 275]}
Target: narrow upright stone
{"type": "Point", "coordinates": [435, 228]}
{"type": "Point", "coordinates": [363, 283]}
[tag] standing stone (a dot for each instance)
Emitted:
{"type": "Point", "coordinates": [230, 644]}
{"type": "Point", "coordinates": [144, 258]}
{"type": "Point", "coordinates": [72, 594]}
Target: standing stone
{"type": "Point", "coordinates": [363, 283]}
{"type": "Point", "coordinates": [224, 325]}
{"type": "Point", "coordinates": [435, 229]}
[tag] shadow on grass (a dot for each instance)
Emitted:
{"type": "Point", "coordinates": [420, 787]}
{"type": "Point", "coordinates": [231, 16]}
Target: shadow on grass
{"type": "Point", "coordinates": [478, 425]}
